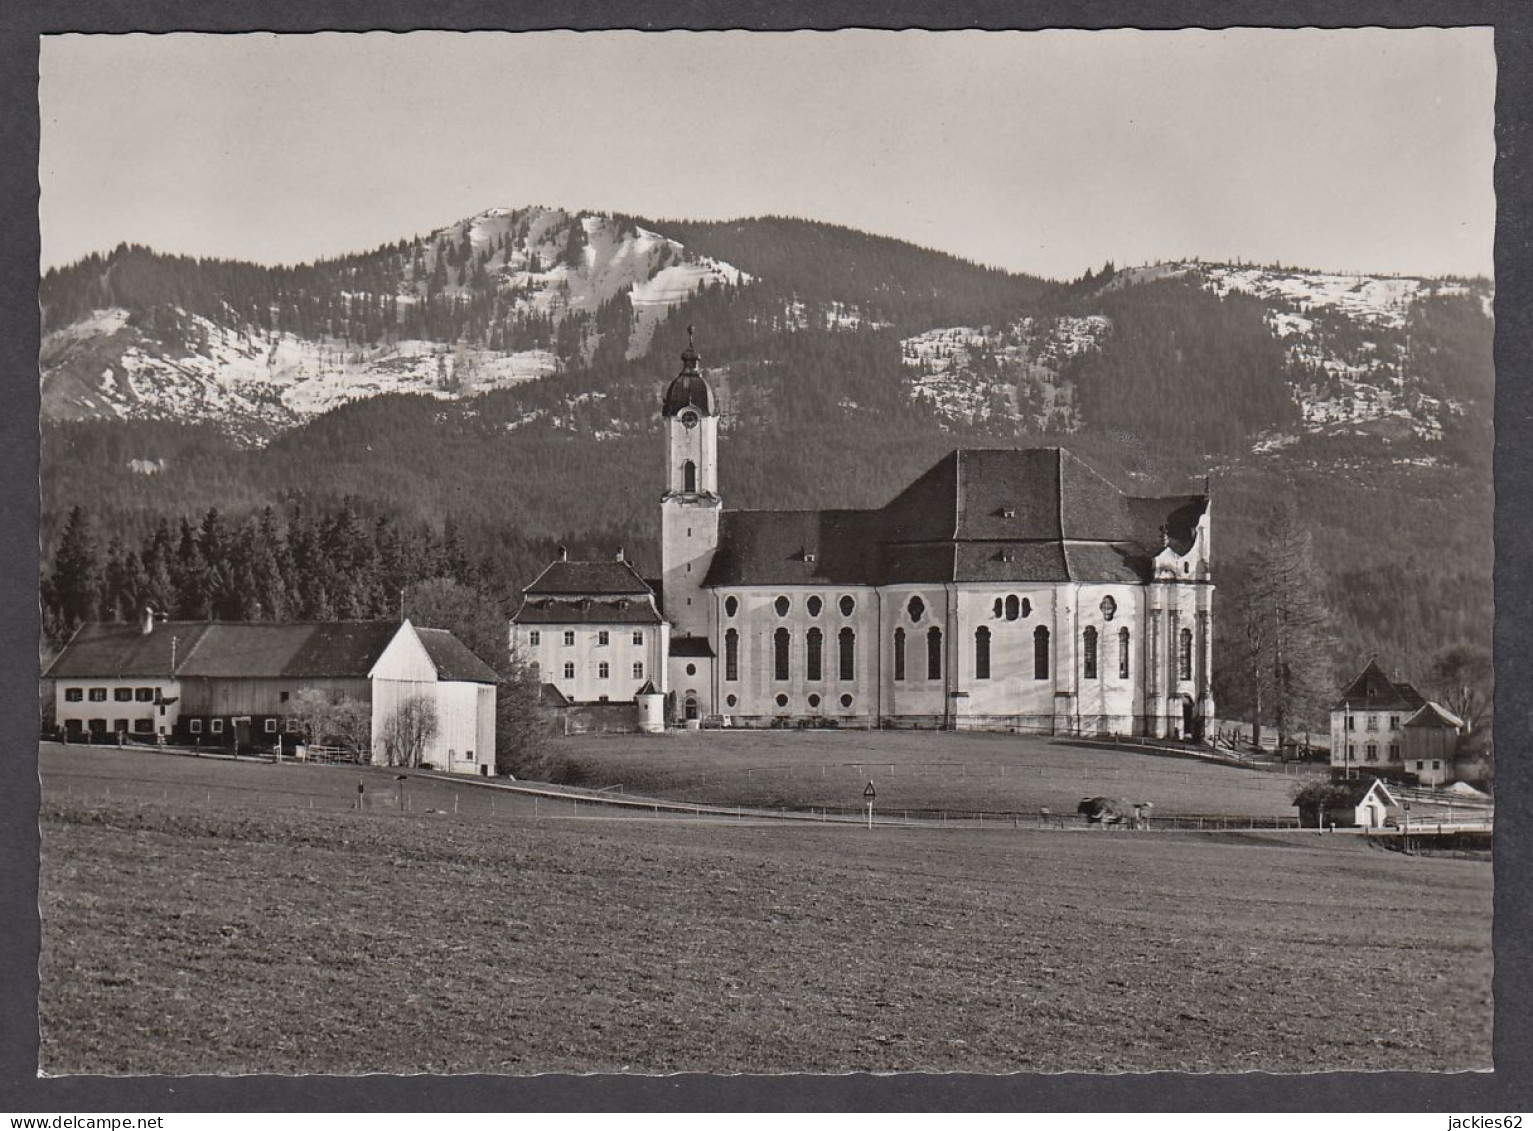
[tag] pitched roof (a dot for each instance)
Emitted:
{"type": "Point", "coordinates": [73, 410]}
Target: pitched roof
{"type": "Point", "coordinates": [452, 659]}
{"type": "Point", "coordinates": [242, 650]}
{"type": "Point", "coordinates": [1372, 690]}
{"type": "Point", "coordinates": [566, 579]}
{"type": "Point", "coordinates": [586, 610]}
{"type": "Point", "coordinates": [1435, 715]}
{"type": "Point", "coordinates": [696, 647]}
{"type": "Point", "coordinates": [1003, 514]}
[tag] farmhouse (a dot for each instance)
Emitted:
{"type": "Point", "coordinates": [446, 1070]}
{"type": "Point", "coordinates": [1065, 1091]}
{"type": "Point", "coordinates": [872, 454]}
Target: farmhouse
{"type": "Point", "coordinates": [1004, 589]}
{"type": "Point", "coordinates": [1387, 727]}
{"type": "Point", "coordinates": [235, 684]}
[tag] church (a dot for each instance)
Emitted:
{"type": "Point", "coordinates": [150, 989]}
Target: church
{"type": "Point", "coordinates": [1003, 589]}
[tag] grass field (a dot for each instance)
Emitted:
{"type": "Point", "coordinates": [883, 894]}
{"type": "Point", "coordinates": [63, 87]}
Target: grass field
{"type": "Point", "coordinates": [189, 930]}
{"type": "Point", "coordinates": [917, 770]}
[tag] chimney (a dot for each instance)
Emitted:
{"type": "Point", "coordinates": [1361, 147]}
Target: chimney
{"type": "Point", "coordinates": [148, 626]}
{"type": "Point", "coordinates": [620, 553]}
{"type": "Point", "coordinates": [564, 553]}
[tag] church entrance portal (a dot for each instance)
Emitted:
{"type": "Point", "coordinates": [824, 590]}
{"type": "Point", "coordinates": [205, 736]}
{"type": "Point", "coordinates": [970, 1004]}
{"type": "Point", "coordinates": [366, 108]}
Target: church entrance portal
{"type": "Point", "coordinates": [1192, 722]}
{"type": "Point", "coordinates": [691, 707]}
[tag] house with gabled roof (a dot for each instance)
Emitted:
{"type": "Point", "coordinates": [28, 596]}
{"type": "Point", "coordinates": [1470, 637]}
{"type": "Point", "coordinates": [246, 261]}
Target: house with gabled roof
{"type": "Point", "coordinates": [1431, 744]}
{"type": "Point", "coordinates": [1004, 588]}
{"type": "Point", "coordinates": [234, 684]}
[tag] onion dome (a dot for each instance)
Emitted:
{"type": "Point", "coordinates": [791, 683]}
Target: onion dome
{"type": "Point", "coordinates": [691, 388]}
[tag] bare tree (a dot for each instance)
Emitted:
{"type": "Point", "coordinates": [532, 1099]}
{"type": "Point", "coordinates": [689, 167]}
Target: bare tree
{"type": "Point", "coordinates": [1464, 678]}
{"type": "Point", "coordinates": [329, 717]}
{"type": "Point", "coordinates": [409, 731]}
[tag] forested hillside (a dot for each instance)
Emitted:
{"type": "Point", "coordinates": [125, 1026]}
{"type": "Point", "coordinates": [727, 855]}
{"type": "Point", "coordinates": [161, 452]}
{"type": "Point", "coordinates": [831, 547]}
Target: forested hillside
{"type": "Point", "coordinates": [495, 386]}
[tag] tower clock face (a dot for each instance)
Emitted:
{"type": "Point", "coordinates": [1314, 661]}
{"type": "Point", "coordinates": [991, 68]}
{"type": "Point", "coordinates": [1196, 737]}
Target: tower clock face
{"type": "Point", "coordinates": [689, 419]}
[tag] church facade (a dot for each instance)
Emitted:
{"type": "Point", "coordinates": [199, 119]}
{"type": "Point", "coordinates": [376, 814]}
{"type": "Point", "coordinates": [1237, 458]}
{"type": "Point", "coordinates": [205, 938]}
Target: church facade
{"type": "Point", "coordinates": [1002, 589]}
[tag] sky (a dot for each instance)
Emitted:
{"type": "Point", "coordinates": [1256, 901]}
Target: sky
{"type": "Point", "coordinates": [1042, 152]}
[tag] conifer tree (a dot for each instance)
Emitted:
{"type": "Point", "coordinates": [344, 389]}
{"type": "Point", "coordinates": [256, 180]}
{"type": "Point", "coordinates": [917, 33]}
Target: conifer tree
{"type": "Point", "coordinates": [76, 572]}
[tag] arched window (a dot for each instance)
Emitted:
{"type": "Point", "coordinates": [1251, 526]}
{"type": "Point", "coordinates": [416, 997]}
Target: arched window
{"type": "Point", "coordinates": [848, 641]}
{"type": "Point", "coordinates": [814, 605]}
{"type": "Point", "coordinates": [782, 605]}
{"type": "Point", "coordinates": [899, 653]}
{"type": "Point", "coordinates": [934, 653]}
{"type": "Point", "coordinates": [999, 605]}
{"type": "Point", "coordinates": [732, 655]}
{"type": "Point", "coordinates": [982, 653]}
{"type": "Point", "coordinates": [1013, 607]}
{"type": "Point", "coordinates": [917, 609]}
{"type": "Point", "coordinates": [731, 606]}
{"type": "Point", "coordinates": [689, 477]}
{"type": "Point", "coordinates": [1089, 653]}
{"type": "Point", "coordinates": [1040, 653]}
{"type": "Point", "coordinates": [780, 645]}
{"type": "Point", "coordinates": [1184, 654]}
{"type": "Point", "coordinates": [848, 606]}
{"type": "Point", "coordinates": [1027, 607]}
{"type": "Point", "coordinates": [1123, 653]}
{"type": "Point", "coordinates": [813, 647]}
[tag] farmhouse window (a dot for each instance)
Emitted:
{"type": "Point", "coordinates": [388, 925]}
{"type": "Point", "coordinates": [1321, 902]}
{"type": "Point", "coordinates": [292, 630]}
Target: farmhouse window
{"type": "Point", "coordinates": [534, 638]}
{"type": "Point", "coordinates": [1184, 654]}
{"type": "Point", "coordinates": [1394, 722]}
{"type": "Point", "coordinates": [814, 605]}
{"type": "Point", "coordinates": [194, 726]}
{"type": "Point", "coordinates": [1437, 764]}
{"type": "Point", "coordinates": [73, 694]}
{"type": "Point", "coordinates": [97, 726]}
{"type": "Point", "coordinates": [120, 725]}
{"type": "Point", "coordinates": [899, 653]}
{"type": "Point", "coordinates": [1373, 722]}
{"type": "Point", "coordinates": [569, 671]}
{"type": "Point", "coordinates": [122, 694]}
{"type": "Point", "coordinates": [813, 647]}
{"type": "Point", "coordinates": [1123, 648]}
{"type": "Point", "coordinates": [144, 694]}
{"type": "Point", "coordinates": [603, 638]}
{"type": "Point", "coordinates": [143, 726]}
{"type": "Point", "coordinates": [271, 726]}
{"type": "Point", "coordinates": [1371, 752]}
{"type": "Point", "coordinates": [216, 726]}
{"type": "Point", "coordinates": [1394, 751]}
{"type": "Point", "coordinates": [780, 645]}
{"type": "Point", "coordinates": [638, 636]}
{"type": "Point", "coordinates": [1351, 752]}
{"type": "Point", "coordinates": [1351, 723]}
{"type": "Point", "coordinates": [782, 605]}
{"type": "Point", "coordinates": [1040, 653]}
{"type": "Point", "coordinates": [1089, 653]}
{"type": "Point", "coordinates": [848, 606]}
{"type": "Point", "coordinates": [603, 670]}
{"type": "Point", "coordinates": [284, 697]}
{"type": "Point", "coordinates": [98, 695]}
{"type": "Point", "coordinates": [848, 641]}
{"type": "Point", "coordinates": [982, 653]}
{"type": "Point", "coordinates": [934, 653]}
{"type": "Point", "coordinates": [731, 655]}
{"type": "Point", "coordinates": [569, 639]}
{"type": "Point", "coordinates": [638, 669]}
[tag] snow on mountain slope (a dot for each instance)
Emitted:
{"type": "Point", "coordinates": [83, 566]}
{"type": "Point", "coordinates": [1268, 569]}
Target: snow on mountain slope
{"type": "Point", "coordinates": [541, 265]}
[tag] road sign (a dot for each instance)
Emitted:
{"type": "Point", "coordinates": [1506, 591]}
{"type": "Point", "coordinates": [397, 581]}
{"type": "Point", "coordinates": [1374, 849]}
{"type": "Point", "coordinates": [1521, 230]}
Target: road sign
{"type": "Point", "coordinates": [870, 792]}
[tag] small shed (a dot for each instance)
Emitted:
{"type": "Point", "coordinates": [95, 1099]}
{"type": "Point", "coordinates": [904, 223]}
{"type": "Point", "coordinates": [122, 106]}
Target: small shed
{"type": "Point", "coordinates": [1431, 742]}
{"type": "Point", "coordinates": [1361, 803]}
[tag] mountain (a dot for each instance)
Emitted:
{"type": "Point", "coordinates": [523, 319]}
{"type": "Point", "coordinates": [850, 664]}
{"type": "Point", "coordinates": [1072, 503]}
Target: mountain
{"type": "Point", "coordinates": [504, 373]}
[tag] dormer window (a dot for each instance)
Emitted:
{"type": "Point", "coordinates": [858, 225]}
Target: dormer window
{"type": "Point", "coordinates": [1008, 512]}
{"type": "Point", "coordinates": [807, 555]}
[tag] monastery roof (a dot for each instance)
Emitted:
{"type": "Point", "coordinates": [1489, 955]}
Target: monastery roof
{"type": "Point", "coordinates": [588, 579]}
{"type": "Point", "coordinates": [1007, 515]}
{"type": "Point", "coordinates": [587, 610]}
{"type": "Point", "coordinates": [1372, 690]}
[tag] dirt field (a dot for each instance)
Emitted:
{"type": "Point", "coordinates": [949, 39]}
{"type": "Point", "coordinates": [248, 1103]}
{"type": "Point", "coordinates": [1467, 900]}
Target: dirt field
{"type": "Point", "coordinates": [184, 935]}
{"type": "Point", "coordinates": [918, 770]}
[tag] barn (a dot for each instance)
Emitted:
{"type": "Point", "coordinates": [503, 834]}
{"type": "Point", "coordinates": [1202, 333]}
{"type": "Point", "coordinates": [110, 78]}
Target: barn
{"type": "Point", "coordinates": [236, 685]}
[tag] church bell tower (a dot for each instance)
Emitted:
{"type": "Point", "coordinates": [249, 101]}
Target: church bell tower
{"type": "Point", "coordinates": [690, 506]}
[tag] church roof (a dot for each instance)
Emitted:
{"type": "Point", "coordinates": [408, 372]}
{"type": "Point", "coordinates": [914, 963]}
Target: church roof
{"type": "Point", "coordinates": [1372, 690]}
{"type": "Point", "coordinates": [1006, 515]}
{"type": "Point", "coordinates": [690, 389]}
